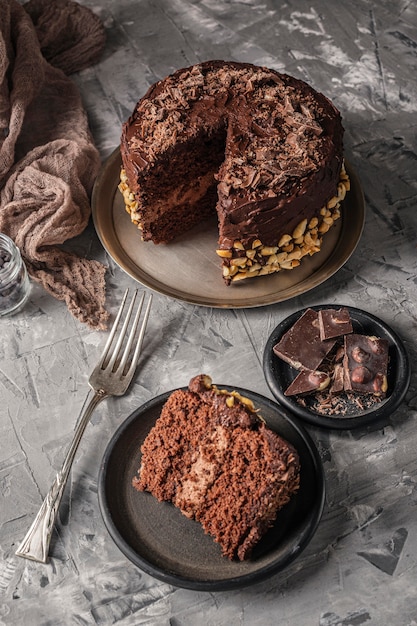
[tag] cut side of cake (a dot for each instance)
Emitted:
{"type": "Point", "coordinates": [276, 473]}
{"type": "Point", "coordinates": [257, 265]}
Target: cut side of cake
{"type": "Point", "coordinates": [261, 150]}
{"type": "Point", "coordinates": [214, 458]}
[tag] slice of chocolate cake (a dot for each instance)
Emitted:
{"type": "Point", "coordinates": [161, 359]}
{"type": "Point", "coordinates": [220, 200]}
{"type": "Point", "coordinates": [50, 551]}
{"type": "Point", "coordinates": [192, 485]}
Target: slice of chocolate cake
{"type": "Point", "coordinates": [214, 458]}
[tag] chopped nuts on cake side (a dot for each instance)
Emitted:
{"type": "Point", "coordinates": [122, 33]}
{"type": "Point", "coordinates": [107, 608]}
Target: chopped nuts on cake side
{"type": "Point", "coordinates": [240, 263]}
{"type": "Point", "coordinates": [306, 239]}
{"type": "Point", "coordinates": [131, 204]}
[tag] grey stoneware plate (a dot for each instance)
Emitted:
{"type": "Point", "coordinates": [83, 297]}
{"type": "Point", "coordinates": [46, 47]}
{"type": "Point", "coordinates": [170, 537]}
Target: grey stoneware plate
{"type": "Point", "coordinates": [279, 374]}
{"type": "Point", "coordinates": [162, 542]}
{"type": "Point", "coordinates": [189, 269]}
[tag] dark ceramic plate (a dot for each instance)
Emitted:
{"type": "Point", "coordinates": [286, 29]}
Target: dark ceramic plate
{"type": "Point", "coordinates": [161, 541]}
{"type": "Point", "coordinates": [279, 374]}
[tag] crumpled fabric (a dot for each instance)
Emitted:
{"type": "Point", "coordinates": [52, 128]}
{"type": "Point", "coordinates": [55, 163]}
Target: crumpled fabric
{"type": "Point", "coordinates": [48, 160]}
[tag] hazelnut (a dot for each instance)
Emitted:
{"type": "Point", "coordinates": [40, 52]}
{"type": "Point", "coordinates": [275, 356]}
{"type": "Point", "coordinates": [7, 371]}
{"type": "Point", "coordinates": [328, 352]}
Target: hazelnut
{"type": "Point", "coordinates": [319, 379]}
{"type": "Point", "coordinates": [380, 384]}
{"type": "Point", "coordinates": [359, 355]}
{"type": "Point", "coordinates": [361, 375]}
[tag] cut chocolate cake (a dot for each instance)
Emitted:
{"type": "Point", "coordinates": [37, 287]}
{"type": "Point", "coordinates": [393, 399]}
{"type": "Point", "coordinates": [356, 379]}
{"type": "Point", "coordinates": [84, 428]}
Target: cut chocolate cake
{"type": "Point", "coordinates": [262, 149]}
{"type": "Point", "coordinates": [213, 457]}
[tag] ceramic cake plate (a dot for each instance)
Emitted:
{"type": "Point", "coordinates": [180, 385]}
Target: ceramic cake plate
{"type": "Point", "coordinates": [161, 541]}
{"type": "Point", "coordinates": [189, 269]}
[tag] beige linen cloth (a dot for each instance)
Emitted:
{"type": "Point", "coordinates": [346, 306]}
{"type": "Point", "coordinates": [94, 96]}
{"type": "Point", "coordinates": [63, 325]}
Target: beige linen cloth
{"type": "Point", "coordinates": [48, 161]}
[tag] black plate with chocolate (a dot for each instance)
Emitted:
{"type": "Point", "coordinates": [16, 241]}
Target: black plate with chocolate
{"type": "Point", "coordinates": [347, 409]}
{"type": "Point", "coordinates": [164, 543]}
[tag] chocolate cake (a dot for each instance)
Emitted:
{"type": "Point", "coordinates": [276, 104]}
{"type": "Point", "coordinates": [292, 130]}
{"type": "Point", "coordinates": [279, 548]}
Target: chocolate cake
{"type": "Point", "coordinates": [261, 149]}
{"type": "Point", "coordinates": [213, 457]}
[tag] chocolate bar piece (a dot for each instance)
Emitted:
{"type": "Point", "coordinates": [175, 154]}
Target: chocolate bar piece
{"type": "Point", "coordinates": [308, 381]}
{"type": "Point", "coordinates": [337, 385]}
{"type": "Point", "coordinates": [334, 323]}
{"type": "Point", "coordinates": [301, 345]}
{"type": "Point", "coordinates": [365, 364]}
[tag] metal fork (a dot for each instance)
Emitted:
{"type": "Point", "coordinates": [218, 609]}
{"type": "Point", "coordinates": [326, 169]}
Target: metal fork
{"type": "Point", "coordinates": [111, 377]}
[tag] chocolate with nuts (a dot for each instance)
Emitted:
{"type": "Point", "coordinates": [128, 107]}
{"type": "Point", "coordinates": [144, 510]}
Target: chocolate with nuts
{"type": "Point", "coordinates": [301, 346]}
{"type": "Point", "coordinates": [351, 376]}
{"type": "Point", "coordinates": [334, 323]}
{"type": "Point", "coordinates": [308, 381]}
{"type": "Point", "coordinates": [365, 364]}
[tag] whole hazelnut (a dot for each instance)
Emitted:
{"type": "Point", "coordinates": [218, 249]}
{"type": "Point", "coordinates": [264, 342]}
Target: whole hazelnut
{"type": "Point", "coordinates": [359, 355]}
{"type": "Point", "coordinates": [361, 375]}
{"type": "Point", "coordinates": [320, 379]}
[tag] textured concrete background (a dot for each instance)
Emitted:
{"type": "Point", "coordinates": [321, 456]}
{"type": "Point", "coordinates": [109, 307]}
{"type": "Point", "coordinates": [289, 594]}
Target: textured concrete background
{"type": "Point", "coordinates": [361, 566]}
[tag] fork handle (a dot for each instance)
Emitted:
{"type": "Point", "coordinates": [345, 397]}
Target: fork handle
{"type": "Point", "coordinates": [35, 545]}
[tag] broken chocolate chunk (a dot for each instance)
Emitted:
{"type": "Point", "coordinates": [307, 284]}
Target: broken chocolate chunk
{"type": "Point", "coordinates": [334, 323]}
{"type": "Point", "coordinates": [308, 381]}
{"type": "Point", "coordinates": [337, 385]}
{"type": "Point", "coordinates": [357, 381]}
{"type": "Point", "coordinates": [301, 345]}
{"type": "Point", "coordinates": [365, 364]}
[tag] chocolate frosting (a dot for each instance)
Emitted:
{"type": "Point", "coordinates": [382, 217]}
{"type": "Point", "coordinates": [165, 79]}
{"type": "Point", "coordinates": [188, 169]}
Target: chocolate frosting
{"type": "Point", "coordinates": [283, 150]}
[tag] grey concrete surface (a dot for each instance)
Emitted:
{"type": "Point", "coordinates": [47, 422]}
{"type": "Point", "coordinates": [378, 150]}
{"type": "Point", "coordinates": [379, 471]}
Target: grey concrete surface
{"type": "Point", "coordinates": [361, 565]}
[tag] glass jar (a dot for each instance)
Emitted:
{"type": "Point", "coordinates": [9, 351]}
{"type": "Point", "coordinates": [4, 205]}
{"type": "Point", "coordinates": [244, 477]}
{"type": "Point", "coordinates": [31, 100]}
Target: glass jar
{"type": "Point", "coordinates": [14, 281]}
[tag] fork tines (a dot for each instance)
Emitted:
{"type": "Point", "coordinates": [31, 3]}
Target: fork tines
{"type": "Point", "coordinates": [122, 356]}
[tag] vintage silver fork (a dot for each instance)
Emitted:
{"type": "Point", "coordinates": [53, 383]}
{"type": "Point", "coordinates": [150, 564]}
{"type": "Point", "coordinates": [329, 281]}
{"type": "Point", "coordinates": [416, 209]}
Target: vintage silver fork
{"type": "Point", "coordinates": [111, 377]}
